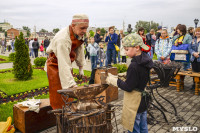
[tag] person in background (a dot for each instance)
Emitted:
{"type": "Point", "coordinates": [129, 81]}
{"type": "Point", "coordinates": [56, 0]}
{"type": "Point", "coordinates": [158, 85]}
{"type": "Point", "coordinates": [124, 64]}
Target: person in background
{"type": "Point", "coordinates": [191, 31]}
{"type": "Point", "coordinates": [35, 46]}
{"type": "Point", "coordinates": [119, 41]}
{"type": "Point", "coordinates": [151, 40]}
{"type": "Point", "coordinates": [12, 45]}
{"type": "Point", "coordinates": [194, 50]}
{"type": "Point", "coordinates": [3, 44]}
{"type": "Point", "coordinates": [93, 49]}
{"type": "Point", "coordinates": [163, 47]}
{"type": "Point", "coordinates": [31, 48]}
{"type": "Point", "coordinates": [111, 38]}
{"type": "Point", "coordinates": [86, 45]}
{"type": "Point", "coordinates": [176, 32]}
{"type": "Point", "coordinates": [97, 39]}
{"type": "Point", "coordinates": [182, 38]}
{"type": "Point", "coordinates": [42, 49]}
{"type": "Point", "coordinates": [9, 44]}
{"type": "Point", "coordinates": [158, 32]}
{"type": "Point", "coordinates": [123, 52]}
{"type": "Point", "coordinates": [102, 55]}
{"type": "Point", "coordinates": [46, 44]}
{"type": "Point", "coordinates": [143, 36]}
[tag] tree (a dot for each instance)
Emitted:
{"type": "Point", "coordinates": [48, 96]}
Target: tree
{"type": "Point", "coordinates": [91, 33]}
{"type": "Point", "coordinates": [22, 64]}
{"type": "Point", "coordinates": [55, 30]}
{"type": "Point", "coordinates": [146, 25]}
{"type": "Point", "coordinates": [103, 31]}
{"type": "Point", "coordinates": [27, 29]}
{"type": "Point", "coordinates": [43, 31]}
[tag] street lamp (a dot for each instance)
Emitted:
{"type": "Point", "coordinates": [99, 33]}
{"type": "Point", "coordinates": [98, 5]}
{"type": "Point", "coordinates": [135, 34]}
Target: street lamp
{"type": "Point", "coordinates": [196, 21]}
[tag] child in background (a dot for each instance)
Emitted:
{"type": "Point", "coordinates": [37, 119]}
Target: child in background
{"type": "Point", "coordinates": [163, 47]}
{"type": "Point", "coordinates": [102, 54]}
{"type": "Point", "coordinates": [93, 48]}
{"type": "Point", "coordinates": [42, 49]}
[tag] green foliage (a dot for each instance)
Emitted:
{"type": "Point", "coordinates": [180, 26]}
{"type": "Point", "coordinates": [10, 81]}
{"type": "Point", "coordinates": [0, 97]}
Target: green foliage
{"type": "Point", "coordinates": [103, 31]}
{"type": "Point", "coordinates": [27, 29]}
{"type": "Point", "coordinates": [6, 59]}
{"type": "Point", "coordinates": [43, 31]}
{"type": "Point", "coordinates": [22, 64]}
{"type": "Point", "coordinates": [155, 56]}
{"type": "Point", "coordinates": [120, 67]}
{"type": "Point", "coordinates": [91, 33]}
{"type": "Point", "coordinates": [40, 61]}
{"type": "Point", "coordinates": [146, 25]}
{"type": "Point", "coordinates": [12, 56]}
{"type": "Point", "coordinates": [55, 30]}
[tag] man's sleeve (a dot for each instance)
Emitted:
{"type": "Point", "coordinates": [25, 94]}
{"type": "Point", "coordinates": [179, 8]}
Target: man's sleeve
{"type": "Point", "coordinates": [80, 56]}
{"type": "Point", "coordinates": [64, 66]}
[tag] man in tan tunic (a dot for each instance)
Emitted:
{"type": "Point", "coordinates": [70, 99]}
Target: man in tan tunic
{"type": "Point", "coordinates": [65, 48]}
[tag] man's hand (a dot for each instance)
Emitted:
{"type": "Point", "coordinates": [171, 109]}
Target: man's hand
{"type": "Point", "coordinates": [81, 73]}
{"type": "Point", "coordinates": [196, 54]}
{"type": "Point", "coordinates": [108, 34]}
{"type": "Point", "coordinates": [112, 79]}
{"type": "Point", "coordinates": [101, 36]}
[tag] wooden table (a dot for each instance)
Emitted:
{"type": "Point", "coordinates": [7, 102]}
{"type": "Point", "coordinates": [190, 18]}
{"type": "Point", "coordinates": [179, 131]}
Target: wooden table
{"type": "Point", "coordinates": [180, 80]}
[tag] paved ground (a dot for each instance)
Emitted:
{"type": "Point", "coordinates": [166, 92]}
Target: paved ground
{"type": "Point", "coordinates": [186, 103]}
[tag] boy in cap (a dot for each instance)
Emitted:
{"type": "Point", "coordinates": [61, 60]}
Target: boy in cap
{"type": "Point", "coordinates": [134, 115]}
{"type": "Point", "coordinates": [66, 47]}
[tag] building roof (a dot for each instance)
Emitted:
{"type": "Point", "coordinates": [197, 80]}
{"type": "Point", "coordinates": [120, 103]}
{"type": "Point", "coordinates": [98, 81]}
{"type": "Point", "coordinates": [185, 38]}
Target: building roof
{"type": "Point", "coordinates": [45, 34]}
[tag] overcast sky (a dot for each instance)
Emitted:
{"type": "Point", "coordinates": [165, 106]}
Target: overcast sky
{"type": "Point", "coordinates": [49, 14]}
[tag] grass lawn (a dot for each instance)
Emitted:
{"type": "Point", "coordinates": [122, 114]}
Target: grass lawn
{"type": "Point", "coordinates": [6, 59]}
{"type": "Point", "coordinates": [10, 85]}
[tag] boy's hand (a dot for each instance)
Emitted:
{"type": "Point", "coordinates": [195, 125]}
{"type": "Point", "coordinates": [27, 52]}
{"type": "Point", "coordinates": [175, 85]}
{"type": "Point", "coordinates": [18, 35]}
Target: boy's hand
{"type": "Point", "coordinates": [112, 79]}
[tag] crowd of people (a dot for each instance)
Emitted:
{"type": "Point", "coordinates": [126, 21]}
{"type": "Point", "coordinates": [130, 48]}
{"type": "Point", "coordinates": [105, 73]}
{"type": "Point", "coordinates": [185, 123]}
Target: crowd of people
{"type": "Point", "coordinates": [35, 49]}
{"type": "Point", "coordinates": [160, 44]}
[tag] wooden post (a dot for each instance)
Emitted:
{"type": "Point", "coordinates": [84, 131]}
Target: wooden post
{"type": "Point", "coordinates": [178, 77]}
{"type": "Point", "coordinates": [196, 80]}
{"type": "Point", "coordinates": [182, 77]}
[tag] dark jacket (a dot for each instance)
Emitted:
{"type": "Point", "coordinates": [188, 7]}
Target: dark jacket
{"type": "Point", "coordinates": [111, 41]}
{"type": "Point", "coordinates": [35, 45]}
{"type": "Point", "coordinates": [119, 40]}
{"type": "Point", "coordinates": [46, 43]}
{"type": "Point", "coordinates": [158, 35]}
{"type": "Point", "coordinates": [97, 38]}
{"type": "Point", "coordinates": [148, 37]}
{"type": "Point", "coordinates": [137, 76]}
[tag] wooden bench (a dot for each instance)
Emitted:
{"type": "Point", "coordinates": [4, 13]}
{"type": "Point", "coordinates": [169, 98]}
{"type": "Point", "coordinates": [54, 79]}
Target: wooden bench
{"type": "Point", "coordinates": [180, 80]}
{"type": "Point", "coordinates": [30, 121]}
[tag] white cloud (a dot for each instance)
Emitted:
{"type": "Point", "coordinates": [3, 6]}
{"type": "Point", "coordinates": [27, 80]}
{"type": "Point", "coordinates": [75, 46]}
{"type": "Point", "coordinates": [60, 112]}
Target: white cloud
{"type": "Point", "coordinates": [51, 14]}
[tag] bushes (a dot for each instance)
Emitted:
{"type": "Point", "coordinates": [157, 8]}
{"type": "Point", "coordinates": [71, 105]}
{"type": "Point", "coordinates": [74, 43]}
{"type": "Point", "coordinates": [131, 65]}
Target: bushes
{"type": "Point", "coordinates": [22, 67]}
{"type": "Point", "coordinates": [12, 56]}
{"type": "Point", "coordinates": [121, 67]}
{"type": "Point", "coordinates": [40, 61]}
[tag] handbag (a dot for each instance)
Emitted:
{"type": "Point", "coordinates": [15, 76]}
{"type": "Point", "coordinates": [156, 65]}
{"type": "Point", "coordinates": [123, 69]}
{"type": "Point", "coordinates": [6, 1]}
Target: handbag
{"type": "Point", "coordinates": [180, 53]}
{"type": "Point", "coordinates": [116, 47]}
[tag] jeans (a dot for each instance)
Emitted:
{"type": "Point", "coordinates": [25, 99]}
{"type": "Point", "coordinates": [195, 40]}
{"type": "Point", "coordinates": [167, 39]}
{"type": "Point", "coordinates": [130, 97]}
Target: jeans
{"type": "Point", "coordinates": [124, 59]}
{"type": "Point", "coordinates": [186, 66]}
{"type": "Point", "coordinates": [119, 59]}
{"type": "Point", "coordinates": [150, 53]}
{"type": "Point", "coordinates": [140, 125]}
{"type": "Point", "coordinates": [35, 52]}
{"type": "Point", "coordinates": [111, 54]}
{"type": "Point", "coordinates": [31, 52]}
{"type": "Point", "coordinates": [13, 48]}
{"type": "Point", "coordinates": [93, 62]}
{"type": "Point", "coordinates": [101, 63]}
